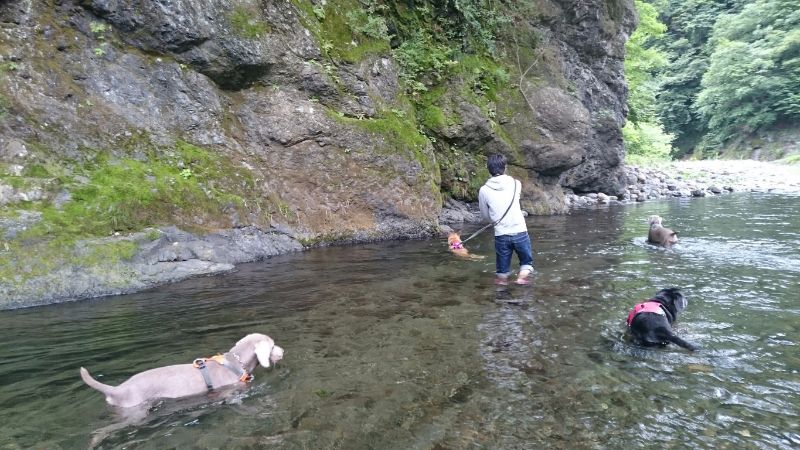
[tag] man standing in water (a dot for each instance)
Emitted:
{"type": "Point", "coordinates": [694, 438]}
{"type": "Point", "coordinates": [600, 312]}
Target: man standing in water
{"type": "Point", "coordinates": [499, 203]}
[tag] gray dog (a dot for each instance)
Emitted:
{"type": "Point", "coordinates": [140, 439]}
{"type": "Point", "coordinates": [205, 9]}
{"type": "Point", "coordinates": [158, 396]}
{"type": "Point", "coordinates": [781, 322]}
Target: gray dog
{"type": "Point", "coordinates": [659, 235]}
{"type": "Point", "coordinates": [182, 380]}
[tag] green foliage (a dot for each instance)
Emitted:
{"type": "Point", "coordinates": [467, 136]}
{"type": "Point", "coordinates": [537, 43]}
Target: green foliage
{"type": "Point", "coordinates": [753, 79]}
{"type": "Point", "coordinates": [690, 23]}
{"type": "Point", "coordinates": [247, 23]}
{"type": "Point", "coordinates": [642, 63]}
{"type": "Point", "coordinates": [344, 29]}
{"type": "Point", "coordinates": [791, 160]}
{"type": "Point", "coordinates": [98, 28]}
{"type": "Point", "coordinates": [368, 24]}
{"type": "Point", "coordinates": [481, 21]}
{"type": "Point", "coordinates": [423, 62]}
{"type": "Point", "coordinates": [734, 71]}
{"type": "Point", "coordinates": [646, 143]}
{"type": "Point", "coordinates": [643, 134]}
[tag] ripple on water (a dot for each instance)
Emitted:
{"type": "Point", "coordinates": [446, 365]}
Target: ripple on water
{"type": "Point", "coordinates": [399, 345]}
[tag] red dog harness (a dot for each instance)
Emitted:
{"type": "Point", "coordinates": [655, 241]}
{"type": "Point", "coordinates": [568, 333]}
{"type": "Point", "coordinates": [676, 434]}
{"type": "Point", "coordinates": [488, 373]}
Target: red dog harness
{"type": "Point", "coordinates": [649, 306]}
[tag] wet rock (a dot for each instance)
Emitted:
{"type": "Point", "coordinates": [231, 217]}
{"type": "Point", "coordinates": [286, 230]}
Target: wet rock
{"type": "Point", "coordinates": [458, 212]}
{"type": "Point", "coordinates": [13, 150]}
{"type": "Point", "coordinates": [11, 226]}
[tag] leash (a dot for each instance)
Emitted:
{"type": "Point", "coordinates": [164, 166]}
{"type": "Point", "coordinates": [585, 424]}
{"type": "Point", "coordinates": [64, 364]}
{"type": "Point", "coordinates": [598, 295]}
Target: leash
{"type": "Point", "coordinates": [513, 196]}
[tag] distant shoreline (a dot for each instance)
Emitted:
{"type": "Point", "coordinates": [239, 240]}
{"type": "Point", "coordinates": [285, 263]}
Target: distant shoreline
{"type": "Point", "coordinates": [696, 179]}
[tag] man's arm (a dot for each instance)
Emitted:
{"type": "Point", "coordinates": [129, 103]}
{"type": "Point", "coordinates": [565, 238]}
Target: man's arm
{"type": "Point", "coordinates": [484, 206]}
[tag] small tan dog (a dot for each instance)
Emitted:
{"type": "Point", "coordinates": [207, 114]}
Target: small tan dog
{"type": "Point", "coordinates": [659, 235]}
{"type": "Point", "coordinates": [182, 380]}
{"type": "Point", "coordinates": [457, 247]}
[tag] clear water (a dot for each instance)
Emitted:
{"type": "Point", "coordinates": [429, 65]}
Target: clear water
{"type": "Point", "coordinates": [401, 345]}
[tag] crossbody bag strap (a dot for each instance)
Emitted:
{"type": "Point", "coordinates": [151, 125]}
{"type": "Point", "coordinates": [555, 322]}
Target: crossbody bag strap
{"type": "Point", "coordinates": [513, 197]}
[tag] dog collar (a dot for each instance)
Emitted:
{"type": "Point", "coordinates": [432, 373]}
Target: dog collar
{"type": "Point", "coordinates": [648, 306]}
{"type": "Point", "coordinates": [457, 245]}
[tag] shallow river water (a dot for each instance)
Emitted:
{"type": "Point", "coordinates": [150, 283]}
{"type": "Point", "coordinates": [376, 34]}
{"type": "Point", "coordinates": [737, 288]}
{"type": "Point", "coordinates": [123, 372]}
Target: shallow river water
{"type": "Point", "coordinates": [399, 345]}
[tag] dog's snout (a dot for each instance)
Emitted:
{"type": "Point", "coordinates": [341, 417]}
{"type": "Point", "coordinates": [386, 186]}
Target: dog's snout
{"type": "Point", "coordinates": [277, 354]}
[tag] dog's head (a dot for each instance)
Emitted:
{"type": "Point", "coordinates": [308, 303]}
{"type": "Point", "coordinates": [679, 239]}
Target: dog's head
{"type": "Point", "coordinates": [453, 238]}
{"type": "Point", "coordinates": [268, 352]}
{"type": "Point", "coordinates": [673, 299]}
{"type": "Point", "coordinates": [654, 221]}
{"type": "Point", "coordinates": [260, 345]}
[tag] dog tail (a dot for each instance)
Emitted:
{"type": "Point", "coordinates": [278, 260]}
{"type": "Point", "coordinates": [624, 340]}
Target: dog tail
{"type": "Point", "coordinates": [104, 388]}
{"type": "Point", "coordinates": [680, 342]}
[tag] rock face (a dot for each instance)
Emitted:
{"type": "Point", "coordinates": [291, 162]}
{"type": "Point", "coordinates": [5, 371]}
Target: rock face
{"type": "Point", "coordinates": [215, 115]}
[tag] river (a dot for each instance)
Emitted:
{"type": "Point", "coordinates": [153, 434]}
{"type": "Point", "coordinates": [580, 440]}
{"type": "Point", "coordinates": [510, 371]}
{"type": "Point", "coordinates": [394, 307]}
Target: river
{"type": "Point", "coordinates": [402, 345]}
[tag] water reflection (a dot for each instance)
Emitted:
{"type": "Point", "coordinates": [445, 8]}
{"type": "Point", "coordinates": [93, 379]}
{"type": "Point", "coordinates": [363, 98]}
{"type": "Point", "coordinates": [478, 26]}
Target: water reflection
{"type": "Point", "coordinates": [401, 345]}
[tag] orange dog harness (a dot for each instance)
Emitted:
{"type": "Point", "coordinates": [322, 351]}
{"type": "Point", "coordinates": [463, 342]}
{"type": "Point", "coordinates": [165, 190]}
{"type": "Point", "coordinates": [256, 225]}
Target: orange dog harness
{"type": "Point", "coordinates": [200, 364]}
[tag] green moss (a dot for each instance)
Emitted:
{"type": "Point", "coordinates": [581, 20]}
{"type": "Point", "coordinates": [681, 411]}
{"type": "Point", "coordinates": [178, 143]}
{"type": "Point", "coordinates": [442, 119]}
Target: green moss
{"type": "Point", "coordinates": [36, 171]}
{"type": "Point", "coordinates": [400, 132]}
{"type": "Point", "coordinates": [186, 185]}
{"type": "Point", "coordinates": [336, 38]}
{"type": "Point", "coordinates": [17, 267]}
{"type": "Point", "coordinates": [463, 174]}
{"type": "Point", "coordinates": [432, 117]}
{"type": "Point", "coordinates": [107, 253]}
{"type": "Point", "coordinates": [246, 22]}
{"type": "Point", "coordinates": [483, 76]}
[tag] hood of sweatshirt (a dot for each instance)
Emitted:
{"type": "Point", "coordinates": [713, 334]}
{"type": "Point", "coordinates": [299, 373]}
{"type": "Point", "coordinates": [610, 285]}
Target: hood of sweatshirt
{"type": "Point", "coordinates": [501, 183]}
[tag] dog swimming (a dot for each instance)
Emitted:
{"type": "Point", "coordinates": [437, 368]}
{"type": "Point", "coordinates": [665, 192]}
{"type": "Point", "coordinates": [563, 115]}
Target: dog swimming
{"type": "Point", "coordinates": [182, 380]}
{"type": "Point", "coordinates": [650, 322]}
{"type": "Point", "coordinates": [455, 245]}
{"type": "Point", "coordinates": [659, 235]}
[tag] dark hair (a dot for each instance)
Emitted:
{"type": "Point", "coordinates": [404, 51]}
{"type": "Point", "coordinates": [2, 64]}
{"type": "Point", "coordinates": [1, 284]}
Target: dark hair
{"type": "Point", "coordinates": [496, 164]}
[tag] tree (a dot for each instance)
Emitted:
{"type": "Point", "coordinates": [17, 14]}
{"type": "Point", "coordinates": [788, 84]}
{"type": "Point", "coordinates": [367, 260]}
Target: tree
{"type": "Point", "coordinates": [753, 79]}
{"type": "Point", "coordinates": [689, 27]}
{"type": "Point", "coordinates": [643, 135]}
{"type": "Point", "coordinates": [642, 62]}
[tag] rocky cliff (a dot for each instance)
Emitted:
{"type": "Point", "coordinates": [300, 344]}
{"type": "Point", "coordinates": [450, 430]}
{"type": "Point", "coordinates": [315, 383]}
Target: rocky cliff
{"type": "Point", "coordinates": [150, 132]}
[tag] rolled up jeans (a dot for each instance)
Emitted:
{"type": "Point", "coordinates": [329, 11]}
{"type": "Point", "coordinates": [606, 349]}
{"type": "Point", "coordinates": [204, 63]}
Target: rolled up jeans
{"type": "Point", "coordinates": [505, 245]}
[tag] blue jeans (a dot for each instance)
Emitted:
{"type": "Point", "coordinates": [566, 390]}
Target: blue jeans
{"type": "Point", "coordinates": [505, 245]}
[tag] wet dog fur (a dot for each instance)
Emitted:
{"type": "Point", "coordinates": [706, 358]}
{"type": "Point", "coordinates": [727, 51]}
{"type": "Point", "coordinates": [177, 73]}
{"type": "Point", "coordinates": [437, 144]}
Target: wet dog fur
{"type": "Point", "coordinates": [183, 380]}
{"type": "Point", "coordinates": [659, 235]}
{"type": "Point", "coordinates": [652, 329]}
{"type": "Point", "coordinates": [455, 245]}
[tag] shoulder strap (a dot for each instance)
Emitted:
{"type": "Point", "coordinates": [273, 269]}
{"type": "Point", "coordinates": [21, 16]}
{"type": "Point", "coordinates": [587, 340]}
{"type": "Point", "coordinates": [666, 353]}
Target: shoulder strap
{"type": "Point", "coordinates": [513, 197]}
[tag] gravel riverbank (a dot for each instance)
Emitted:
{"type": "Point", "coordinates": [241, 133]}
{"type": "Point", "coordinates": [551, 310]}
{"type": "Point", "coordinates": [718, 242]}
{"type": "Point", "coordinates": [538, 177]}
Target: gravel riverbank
{"type": "Point", "coordinates": [697, 179]}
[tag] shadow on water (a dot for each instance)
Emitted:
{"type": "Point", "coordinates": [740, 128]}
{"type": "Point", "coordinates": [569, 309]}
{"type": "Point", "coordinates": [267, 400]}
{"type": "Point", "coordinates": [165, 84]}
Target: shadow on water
{"type": "Point", "coordinates": [402, 345]}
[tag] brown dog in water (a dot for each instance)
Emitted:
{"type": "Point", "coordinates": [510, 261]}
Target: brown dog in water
{"type": "Point", "coordinates": [659, 235]}
{"type": "Point", "coordinates": [457, 247]}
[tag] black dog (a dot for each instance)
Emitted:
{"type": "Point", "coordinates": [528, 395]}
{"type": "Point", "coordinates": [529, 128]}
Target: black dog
{"type": "Point", "coordinates": [651, 322]}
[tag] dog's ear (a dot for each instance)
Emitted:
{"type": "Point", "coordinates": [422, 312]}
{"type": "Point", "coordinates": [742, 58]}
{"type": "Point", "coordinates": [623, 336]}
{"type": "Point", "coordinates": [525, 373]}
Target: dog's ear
{"type": "Point", "coordinates": [263, 350]}
{"type": "Point", "coordinates": [277, 354]}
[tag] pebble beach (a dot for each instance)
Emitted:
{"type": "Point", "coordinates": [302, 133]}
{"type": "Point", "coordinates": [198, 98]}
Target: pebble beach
{"type": "Point", "coordinates": [697, 179]}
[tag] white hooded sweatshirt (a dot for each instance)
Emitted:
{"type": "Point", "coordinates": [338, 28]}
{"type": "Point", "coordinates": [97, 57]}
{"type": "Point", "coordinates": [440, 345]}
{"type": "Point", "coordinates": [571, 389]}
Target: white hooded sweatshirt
{"type": "Point", "coordinates": [494, 198]}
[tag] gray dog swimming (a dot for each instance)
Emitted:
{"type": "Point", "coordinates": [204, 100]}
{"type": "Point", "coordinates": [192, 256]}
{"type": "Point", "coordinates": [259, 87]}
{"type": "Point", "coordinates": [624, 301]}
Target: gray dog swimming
{"type": "Point", "coordinates": [659, 235]}
{"type": "Point", "coordinates": [182, 380]}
